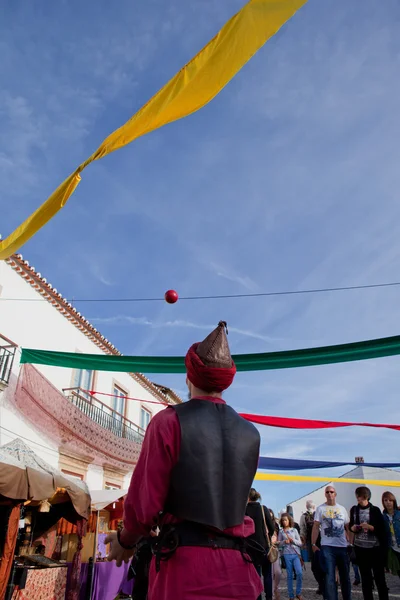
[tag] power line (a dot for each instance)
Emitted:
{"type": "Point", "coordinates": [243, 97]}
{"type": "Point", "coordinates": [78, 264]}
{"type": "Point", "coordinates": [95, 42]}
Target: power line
{"type": "Point", "coordinates": [224, 296]}
{"type": "Point", "coordinates": [17, 435]}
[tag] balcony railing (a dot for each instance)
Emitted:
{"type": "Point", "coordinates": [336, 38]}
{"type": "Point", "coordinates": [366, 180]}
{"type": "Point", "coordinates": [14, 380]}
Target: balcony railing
{"type": "Point", "coordinates": [7, 354]}
{"type": "Point", "coordinates": [104, 415]}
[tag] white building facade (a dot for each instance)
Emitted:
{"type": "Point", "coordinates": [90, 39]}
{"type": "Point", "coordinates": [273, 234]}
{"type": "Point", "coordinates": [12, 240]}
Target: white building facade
{"type": "Point", "coordinates": [91, 436]}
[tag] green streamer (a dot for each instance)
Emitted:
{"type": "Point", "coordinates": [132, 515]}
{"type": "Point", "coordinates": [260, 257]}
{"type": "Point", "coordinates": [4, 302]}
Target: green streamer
{"type": "Point", "coordinates": [287, 359]}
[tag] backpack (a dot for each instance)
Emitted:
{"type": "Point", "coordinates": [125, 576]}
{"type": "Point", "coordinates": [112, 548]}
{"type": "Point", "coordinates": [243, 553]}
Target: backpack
{"type": "Point", "coordinates": [309, 518]}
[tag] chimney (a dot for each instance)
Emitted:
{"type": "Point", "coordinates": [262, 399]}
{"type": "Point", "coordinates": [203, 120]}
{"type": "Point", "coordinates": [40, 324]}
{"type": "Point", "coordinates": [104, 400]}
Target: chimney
{"type": "Point", "coordinates": [359, 460]}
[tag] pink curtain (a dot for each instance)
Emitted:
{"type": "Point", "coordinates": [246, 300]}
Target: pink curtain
{"type": "Point", "coordinates": [7, 558]}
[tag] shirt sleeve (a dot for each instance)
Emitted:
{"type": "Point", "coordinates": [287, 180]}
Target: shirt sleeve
{"type": "Point", "coordinates": [149, 485]}
{"type": "Point", "coordinates": [346, 517]}
{"type": "Point", "coordinates": [296, 538]}
{"type": "Point", "coordinates": [318, 515]}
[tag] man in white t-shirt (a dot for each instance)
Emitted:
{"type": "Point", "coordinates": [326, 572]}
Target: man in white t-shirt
{"type": "Point", "coordinates": [331, 520]}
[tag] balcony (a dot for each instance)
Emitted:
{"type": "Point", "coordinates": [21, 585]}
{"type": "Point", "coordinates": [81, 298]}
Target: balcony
{"type": "Point", "coordinates": [7, 354]}
{"type": "Point", "coordinates": [77, 423]}
{"type": "Point", "coordinates": [104, 415]}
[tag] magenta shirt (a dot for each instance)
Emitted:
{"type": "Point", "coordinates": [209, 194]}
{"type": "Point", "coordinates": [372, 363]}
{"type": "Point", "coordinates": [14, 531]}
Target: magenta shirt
{"type": "Point", "coordinates": [191, 573]}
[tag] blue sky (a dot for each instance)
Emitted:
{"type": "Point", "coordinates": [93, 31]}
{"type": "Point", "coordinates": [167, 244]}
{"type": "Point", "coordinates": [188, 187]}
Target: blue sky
{"type": "Point", "coordinates": [289, 179]}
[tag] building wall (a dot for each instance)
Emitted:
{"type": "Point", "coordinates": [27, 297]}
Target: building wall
{"type": "Point", "coordinates": [36, 323]}
{"type": "Point", "coordinates": [346, 491]}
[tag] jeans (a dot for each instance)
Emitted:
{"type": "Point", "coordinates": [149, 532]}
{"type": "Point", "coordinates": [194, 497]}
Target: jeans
{"type": "Point", "coordinates": [317, 568]}
{"type": "Point", "coordinates": [336, 557]}
{"type": "Point", "coordinates": [371, 563]}
{"type": "Point", "coordinates": [293, 562]}
{"type": "Point", "coordinates": [356, 573]}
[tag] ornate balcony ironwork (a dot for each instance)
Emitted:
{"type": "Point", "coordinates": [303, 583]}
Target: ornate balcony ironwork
{"type": "Point", "coordinates": [104, 415]}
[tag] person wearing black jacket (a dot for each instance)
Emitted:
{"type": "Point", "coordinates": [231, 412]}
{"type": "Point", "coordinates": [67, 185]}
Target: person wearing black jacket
{"type": "Point", "coordinates": [255, 511]}
{"type": "Point", "coordinates": [370, 544]}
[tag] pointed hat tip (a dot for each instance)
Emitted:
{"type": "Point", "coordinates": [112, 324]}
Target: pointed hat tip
{"type": "Point", "coordinates": [224, 324]}
{"type": "Point", "coordinates": [214, 349]}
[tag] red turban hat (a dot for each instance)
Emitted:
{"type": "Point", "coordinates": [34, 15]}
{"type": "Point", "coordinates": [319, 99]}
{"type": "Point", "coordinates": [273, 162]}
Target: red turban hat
{"type": "Point", "coordinates": [209, 364]}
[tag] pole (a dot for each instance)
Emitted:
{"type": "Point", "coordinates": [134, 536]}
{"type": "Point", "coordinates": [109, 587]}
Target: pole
{"type": "Point", "coordinates": [92, 562]}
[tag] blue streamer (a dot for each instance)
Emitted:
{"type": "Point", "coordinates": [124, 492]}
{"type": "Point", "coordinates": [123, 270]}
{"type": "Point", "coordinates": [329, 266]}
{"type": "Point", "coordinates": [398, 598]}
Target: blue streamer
{"type": "Point", "coordinates": [293, 464]}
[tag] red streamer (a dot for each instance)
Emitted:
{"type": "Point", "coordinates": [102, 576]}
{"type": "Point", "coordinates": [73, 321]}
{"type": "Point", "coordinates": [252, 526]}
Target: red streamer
{"type": "Point", "coordinates": [283, 422]}
{"type": "Point", "coordinates": [288, 423]}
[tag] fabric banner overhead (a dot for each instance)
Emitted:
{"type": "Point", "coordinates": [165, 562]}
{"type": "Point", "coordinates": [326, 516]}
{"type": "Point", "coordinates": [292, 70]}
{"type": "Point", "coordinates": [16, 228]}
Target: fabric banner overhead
{"type": "Point", "coordinates": [289, 423]}
{"type": "Point", "coordinates": [290, 464]}
{"type": "Point", "coordinates": [190, 89]}
{"type": "Point", "coordinates": [286, 359]}
{"type": "Point", "coordinates": [303, 478]}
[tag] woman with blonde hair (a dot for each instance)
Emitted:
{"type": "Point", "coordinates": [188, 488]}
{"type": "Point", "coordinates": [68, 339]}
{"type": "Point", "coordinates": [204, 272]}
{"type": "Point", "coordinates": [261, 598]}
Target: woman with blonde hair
{"type": "Point", "coordinates": [391, 514]}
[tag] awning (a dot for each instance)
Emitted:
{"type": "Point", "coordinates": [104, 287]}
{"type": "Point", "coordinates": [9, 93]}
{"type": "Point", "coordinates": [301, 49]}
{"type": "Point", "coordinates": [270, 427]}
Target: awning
{"type": "Point", "coordinates": [25, 476]}
{"type": "Point", "coordinates": [102, 498]}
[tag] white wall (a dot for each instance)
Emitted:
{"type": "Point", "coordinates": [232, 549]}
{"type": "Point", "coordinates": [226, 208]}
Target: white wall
{"type": "Point", "coordinates": [94, 477]}
{"type": "Point", "coordinates": [35, 323]}
{"type": "Point", "coordinates": [11, 423]}
{"type": "Point", "coordinates": [127, 481]}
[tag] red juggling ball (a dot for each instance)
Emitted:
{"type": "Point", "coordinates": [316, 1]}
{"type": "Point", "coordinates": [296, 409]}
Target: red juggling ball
{"type": "Point", "coordinates": [171, 296]}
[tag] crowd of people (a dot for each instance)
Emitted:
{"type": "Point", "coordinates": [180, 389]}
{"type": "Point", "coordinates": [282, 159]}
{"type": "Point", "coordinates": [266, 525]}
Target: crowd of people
{"type": "Point", "coordinates": [366, 540]}
{"type": "Point", "coordinates": [195, 532]}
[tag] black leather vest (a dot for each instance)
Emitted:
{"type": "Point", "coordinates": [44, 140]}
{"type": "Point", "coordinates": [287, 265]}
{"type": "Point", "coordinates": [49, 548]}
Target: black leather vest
{"type": "Point", "coordinates": [217, 462]}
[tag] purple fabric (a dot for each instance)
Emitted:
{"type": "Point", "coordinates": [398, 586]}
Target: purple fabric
{"type": "Point", "coordinates": [127, 586]}
{"type": "Point", "coordinates": [101, 547]}
{"type": "Point", "coordinates": [108, 580]}
{"type": "Point", "coordinates": [83, 580]}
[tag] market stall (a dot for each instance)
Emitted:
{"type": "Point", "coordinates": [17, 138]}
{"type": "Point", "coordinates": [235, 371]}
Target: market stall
{"type": "Point", "coordinates": [100, 579]}
{"type": "Point", "coordinates": [33, 498]}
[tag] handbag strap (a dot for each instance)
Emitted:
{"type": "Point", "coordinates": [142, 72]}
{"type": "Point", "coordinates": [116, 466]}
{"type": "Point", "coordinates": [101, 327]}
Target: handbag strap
{"type": "Point", "coordinates": [265, 526]}
{"type": "Point", "coordinates": [297, 550]}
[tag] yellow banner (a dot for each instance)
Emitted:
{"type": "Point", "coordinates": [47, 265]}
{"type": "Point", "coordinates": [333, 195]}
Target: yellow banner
{"type": "Point", "coordinates": [278, 477]}
{"type": "Point", "coordinates": [191, 89]}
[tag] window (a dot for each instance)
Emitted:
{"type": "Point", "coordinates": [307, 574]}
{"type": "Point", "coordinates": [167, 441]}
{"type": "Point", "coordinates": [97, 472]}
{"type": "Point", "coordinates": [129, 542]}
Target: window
{"type": "Point", "coordinates": [82, 379]}
{"type": "Point", "coordinates": [145, 416]}
{"type": "Point", "coordinates": [72, 475]}
{"type": "Point", "coordinates": [118, 402]}
{"type": "Point", "coordinates": [73, 466]}
{"type": "Point", "coordinates": [111, 486]}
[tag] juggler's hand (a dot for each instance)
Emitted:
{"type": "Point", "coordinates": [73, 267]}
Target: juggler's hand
{"type": "Point", "coordinates": [117, 552]}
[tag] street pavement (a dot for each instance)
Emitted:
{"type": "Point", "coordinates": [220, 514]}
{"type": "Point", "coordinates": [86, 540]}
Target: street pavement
{"type": "Point", "coordinates": [309, 587]}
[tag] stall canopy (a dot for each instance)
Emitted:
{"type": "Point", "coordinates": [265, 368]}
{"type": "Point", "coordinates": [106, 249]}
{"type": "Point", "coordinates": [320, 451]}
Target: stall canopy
{"type": "Point", "coordinates": [25, 476]}
{"type": "Point", "coordinates": [103, 498]}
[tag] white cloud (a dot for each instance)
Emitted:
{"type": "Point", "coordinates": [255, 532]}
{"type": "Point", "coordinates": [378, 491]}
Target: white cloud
{"type": "Point", "coordinates": [231, 275]}
{"type": "Point", "coordinates": [126, 319]}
